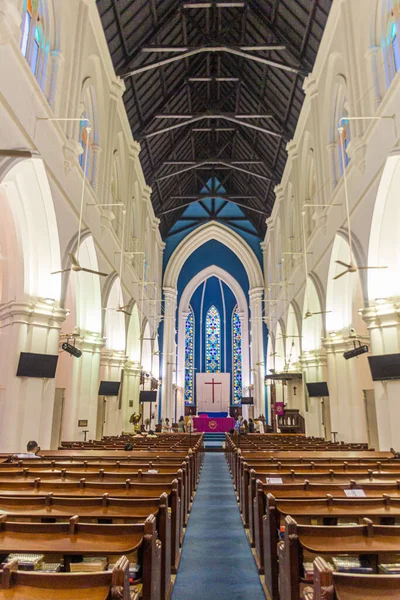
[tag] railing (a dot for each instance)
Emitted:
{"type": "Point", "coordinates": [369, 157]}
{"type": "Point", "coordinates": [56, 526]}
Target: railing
{"type": "Point", "coordinates": [291, 422]}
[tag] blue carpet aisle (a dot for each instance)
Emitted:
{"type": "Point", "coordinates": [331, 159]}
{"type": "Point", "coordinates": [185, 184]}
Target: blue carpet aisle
{"type": "Point", "coordinates": [216, 563]}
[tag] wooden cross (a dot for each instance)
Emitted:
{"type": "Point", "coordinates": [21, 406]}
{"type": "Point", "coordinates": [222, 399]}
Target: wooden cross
{"type": "Point", "coordinates": [213, 383]}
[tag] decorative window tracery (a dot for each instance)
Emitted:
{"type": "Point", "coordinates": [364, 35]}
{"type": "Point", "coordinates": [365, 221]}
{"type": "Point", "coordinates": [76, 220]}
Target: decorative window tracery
{"type": "Point", "coordinates": [237, 356]}
{"type": "Point", "coordinates": [189, 358]}
{"type": "Point", "coordinates": [213, 340]}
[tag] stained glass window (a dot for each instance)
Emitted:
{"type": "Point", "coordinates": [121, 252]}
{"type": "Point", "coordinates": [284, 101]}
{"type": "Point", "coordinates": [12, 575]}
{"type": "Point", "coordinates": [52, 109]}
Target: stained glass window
{"type": "Point", "coordinates": [32, 34]}
{"type": "Point", "coordinates": [343, 141]}
{"type": "Point", "coordinates": [213, 341]}
{"type": "Point", "coordinates": [84, 140]}
{"type": "Point", "coordinates": [189, 358]}
{"type": "Point", "coordinates": [237, 356]}
{"type": "Point", "coordinates": [395, 47]}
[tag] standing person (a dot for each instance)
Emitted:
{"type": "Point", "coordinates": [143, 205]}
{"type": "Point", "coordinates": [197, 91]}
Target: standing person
{"type": "Point", "coordinates": [181, 425]}
{"type": "Point", "coordinates": [251, 426]}
{"type": "Point", "coordinates": [189, 424]}
{"type": "Point", "coordinates": [32, 449]}
{"type": "Point", "coordinates": [166, 426]}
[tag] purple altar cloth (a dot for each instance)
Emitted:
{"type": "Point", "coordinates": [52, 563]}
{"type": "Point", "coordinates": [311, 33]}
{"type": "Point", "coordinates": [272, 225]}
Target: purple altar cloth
{"type": "Point", "coordinates": [213, 424]}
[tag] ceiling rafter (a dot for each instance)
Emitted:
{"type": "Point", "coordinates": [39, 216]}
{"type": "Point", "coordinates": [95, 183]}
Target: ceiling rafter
{"type": "Point", "coordinates": [236, 78]}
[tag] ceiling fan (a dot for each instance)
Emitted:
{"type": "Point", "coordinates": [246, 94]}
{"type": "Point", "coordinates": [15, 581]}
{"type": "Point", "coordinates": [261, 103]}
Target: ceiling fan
{"type": "Point", "coordinates": [75, 266]}
{"type": "Point", "coordinates": [351, 268]}
{"type": "Point", "coordinates": [123, 309]}
{"type": "Point", "coordinates": [74, 260]}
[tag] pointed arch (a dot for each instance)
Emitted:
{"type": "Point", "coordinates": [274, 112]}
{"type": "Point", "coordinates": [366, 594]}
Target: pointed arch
{"type": "Point", "coordinates": [114, 322]}
{"type": "Point", "coordinates": [213, 340]}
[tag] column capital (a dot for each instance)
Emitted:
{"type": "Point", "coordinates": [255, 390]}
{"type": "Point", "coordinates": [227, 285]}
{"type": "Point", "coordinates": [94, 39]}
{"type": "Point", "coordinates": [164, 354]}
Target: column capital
{"type": "Point", "coordinates": [132, 367]}
{"type": "Point", "coordinates": [89, 341]}
{"type": "Point", "coordinates": [382, 313]}
{"type": "Point", "coordinates": [313, 358]}
{"type": "Point", "coordinates": [113, 358]}
{"type": "Point", "coordinates": [117, 89]}
{"type": "Point", "coordinates": [291, 149]}
{"type": "Point", "coordinates": [170, 293]}
{"type": "Point", "coordinates": [146, 193]}
{"type": "Point", "coordinates": [270, 222]}
{"type": "Point", "coordinates": [310, 86]}
{"type": "Point", "coordinates": [279, 192]}
{"type": "Point", "coordinates": [256, 293]}
{"type": "Point", "coordinates": [338, 344]}
{"type": "Point", "coordinates": [39, 314]}
{"type": "Point", "coordinates": [96, 148]}
{"type": "Point", "coordinates": [134, 150]}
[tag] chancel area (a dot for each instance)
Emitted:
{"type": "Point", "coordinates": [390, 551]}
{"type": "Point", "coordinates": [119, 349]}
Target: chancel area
{"type": "Point", "coordinates": [199, 299]}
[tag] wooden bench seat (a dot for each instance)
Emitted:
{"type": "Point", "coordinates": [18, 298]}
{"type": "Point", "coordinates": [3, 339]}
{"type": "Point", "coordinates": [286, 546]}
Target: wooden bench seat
{"type": "Point", "coordinates": [329, 585]}
{"type": "Point", "coordinates": [74, 538]}
{"type": "Point", "coordinates": [31, 489]}
{"type": "Point", "coordinates": [329, 509]}
{"type": "Point", "coordinates": [108, 585]}
{"type": "Point", "coordinates": [368, 540]}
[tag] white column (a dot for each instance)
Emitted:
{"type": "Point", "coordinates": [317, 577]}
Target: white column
{"type": "Point", "coordinates": [26, 403]}
{"type": "Point", "coordinates": [130, 393]}
{"type": "Point", "coordinates": [257, 349]}
{"type": "Point", "coordinates": [383, 322]}
{"type": "Point", "coordinates": [57, 62]}
{"type": "Point", "coordinates": [96, 154]}
{"type": "Point", "coordinates": [372, 56]}
{"type": "Point", "coordinates": [314, 366]}
{"type": "Point", "coordinates": [80, 379]}
{"type": "Point", "coordinates": [168, 361]}
{"type": "Point", "coordinates": [111, 364]}
{"type": "Point", "coordinates": [311, 90]}
{"type": "Point", "coordinates": [346, 381]}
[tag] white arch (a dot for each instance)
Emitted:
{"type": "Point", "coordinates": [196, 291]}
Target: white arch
{"type": "Point", "coordinates": [202, 235]}
{"type": "Point", "coordinates": [312, 327]}
{"type": "Point", "coordinates": [133, 337]}
{"type": "Point", "coordinates": [191, 287]}
{"type": "Point", "coordinates": [114, 322]}
{"type": "Point", "coordinates": [384, 242]}
{"type": "Point", "coordinates": [29, 233]}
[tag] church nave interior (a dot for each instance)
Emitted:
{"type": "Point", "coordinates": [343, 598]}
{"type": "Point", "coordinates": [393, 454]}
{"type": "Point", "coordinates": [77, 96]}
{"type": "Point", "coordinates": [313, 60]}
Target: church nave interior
{"type": "Point", "coordinates": [199, 299]}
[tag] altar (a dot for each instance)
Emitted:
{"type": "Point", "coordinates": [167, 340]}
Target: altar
{"type": "Point", "coordinates": [208, 424]}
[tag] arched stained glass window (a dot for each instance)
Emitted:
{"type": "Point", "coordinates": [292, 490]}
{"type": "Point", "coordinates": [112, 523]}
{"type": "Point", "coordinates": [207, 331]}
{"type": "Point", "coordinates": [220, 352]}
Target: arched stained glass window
{"type": "Point", "coordinates": [33, 45]}
{"type": "Point", "coordinates": [237, 356]}
{"type": "Point", "coordinates": [189, 358]}
{"type": "Point", "coordinates": [213, 341]}
{"type": "Point", "coordinates": [343, 141]}
{"type": "Point", "coordinates": [395, 47]}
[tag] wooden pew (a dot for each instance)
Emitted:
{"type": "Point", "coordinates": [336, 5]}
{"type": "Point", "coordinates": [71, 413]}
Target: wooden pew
{"type": "Point", "coordinates": [329, 585]}
{"type": "Point", "coordinates": [330, 509]}
{"type": "Point", "coordinates": [74, 538]}
{"type": "Point", "coordinates": [107, 585]}
{"type": "Point", "coordinates": [307, 490]}
{"type": "Point", "coordinates": [83, 489]}
{"type": "Point", "coordinates": [103, 509]}
{"type": "Point", "coordinates": [368, 540]}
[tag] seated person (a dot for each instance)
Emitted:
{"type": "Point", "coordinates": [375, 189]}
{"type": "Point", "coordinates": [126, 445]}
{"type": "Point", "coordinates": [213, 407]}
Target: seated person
{"type": "Point", "coordinates": [151, 434]}
{"type": "Point", "coordinates": [128, 447]}
{"type": "Point", "coordinates": [32, 449]}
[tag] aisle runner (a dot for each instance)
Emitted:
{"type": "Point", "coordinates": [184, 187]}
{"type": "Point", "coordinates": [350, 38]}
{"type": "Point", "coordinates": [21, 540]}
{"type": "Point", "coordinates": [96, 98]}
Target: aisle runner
{"type": "Point", "coordinates": [216, 560]}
